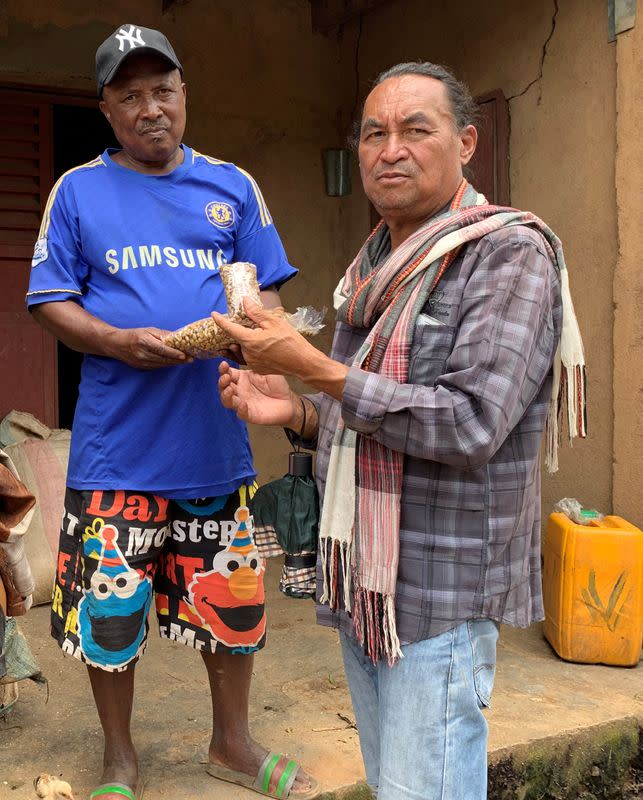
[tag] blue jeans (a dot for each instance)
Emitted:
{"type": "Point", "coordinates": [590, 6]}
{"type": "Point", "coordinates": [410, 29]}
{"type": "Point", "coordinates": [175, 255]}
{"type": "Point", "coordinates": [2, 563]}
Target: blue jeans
{"type": "Point", "coordinates": [421, 729]}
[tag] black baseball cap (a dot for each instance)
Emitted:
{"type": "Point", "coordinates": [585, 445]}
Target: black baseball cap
{"type": "Point", "coordinates": [125, 40]}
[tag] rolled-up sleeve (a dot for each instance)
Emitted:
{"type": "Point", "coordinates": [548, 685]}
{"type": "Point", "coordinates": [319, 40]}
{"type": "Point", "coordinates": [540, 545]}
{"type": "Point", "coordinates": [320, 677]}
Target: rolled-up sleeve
{"type": "Point", "coordinates": [506, 335]}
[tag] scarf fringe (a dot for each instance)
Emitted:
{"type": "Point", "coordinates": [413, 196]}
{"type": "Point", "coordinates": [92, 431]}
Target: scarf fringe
{"type": "Point", "coordinates": [346, 553]}
{"type": "Point", "coordinates": [323, 547]}
{"type": "Point", "coordinates": [569, 390]}
{"type": "Point", "coordinates": [335, 555]}
{"type": "Point", "coordinates": [373, 613]}
{"type": "Point", "coordinates": [374, 625]}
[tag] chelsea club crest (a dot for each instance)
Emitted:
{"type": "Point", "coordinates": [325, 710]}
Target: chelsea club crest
{"type": "Point", "coordinates": [220, 214]}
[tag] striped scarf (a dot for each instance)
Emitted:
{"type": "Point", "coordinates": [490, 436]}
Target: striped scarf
{"type": "Point", "coordinates": [360, 523]}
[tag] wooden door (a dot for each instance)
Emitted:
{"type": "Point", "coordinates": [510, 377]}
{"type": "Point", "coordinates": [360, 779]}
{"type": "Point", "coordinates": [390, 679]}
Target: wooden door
{"type": "Point", "coordinates": [27, 353]}
{"type": "Point", "coordinates": [488, 170]}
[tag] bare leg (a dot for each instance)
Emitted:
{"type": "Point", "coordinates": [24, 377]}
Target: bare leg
{"type": "Point", "coordinates": [114, 696]}
{"type": "Point", "coordinates": [231, 744]}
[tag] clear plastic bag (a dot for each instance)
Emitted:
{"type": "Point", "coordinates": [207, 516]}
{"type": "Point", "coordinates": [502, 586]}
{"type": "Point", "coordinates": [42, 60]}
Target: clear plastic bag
{"type": "Point", "coordinates": [576, 512]}
{"type": "Point", "coordinates": [205, 339]}
{"type": "Point", "coordinates": [239, 281]}
{"type": "Point", "coordinates": [307, 320]}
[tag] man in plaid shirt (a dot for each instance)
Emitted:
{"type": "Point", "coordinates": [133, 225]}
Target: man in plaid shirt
{"type": "Point", "coordinates": [463, 427]}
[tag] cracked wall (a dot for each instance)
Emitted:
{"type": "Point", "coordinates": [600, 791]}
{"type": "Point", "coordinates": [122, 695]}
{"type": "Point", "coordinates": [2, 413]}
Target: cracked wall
{"type": "Point", "coordinates": [560, 70]}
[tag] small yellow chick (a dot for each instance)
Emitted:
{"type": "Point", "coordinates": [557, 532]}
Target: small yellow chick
{"type": "Point", "coordinates": [51, 788]}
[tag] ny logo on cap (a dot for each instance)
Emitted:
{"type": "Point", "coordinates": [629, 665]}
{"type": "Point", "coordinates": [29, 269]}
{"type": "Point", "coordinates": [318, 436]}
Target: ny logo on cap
{"type": "Point", "coordinates": [132, 37]}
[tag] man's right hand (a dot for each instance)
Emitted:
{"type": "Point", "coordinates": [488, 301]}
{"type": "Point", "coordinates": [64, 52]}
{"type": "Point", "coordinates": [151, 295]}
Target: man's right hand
{"type": "Point", "coordinates": [140, 348]}
{"type": "Point", "coordinates": [260, 399]}
{"type": "Point", "coordinates": [143, 348]}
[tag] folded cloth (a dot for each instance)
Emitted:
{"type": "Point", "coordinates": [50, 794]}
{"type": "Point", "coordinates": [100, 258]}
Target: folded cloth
{"type": "Point", "coordinates": [15, 603]}
{"type": "Point", "coordinates": [16, 511]}
{"type": "Point", "coordinates": [3, 626]}
{"type": "Point", "coordinates": [15, 500]}
{"type": "Point", "coordinates": [19, 661]}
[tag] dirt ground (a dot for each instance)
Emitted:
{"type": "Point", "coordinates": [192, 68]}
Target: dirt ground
{"type": "Point", "coordinates": [299, 705]}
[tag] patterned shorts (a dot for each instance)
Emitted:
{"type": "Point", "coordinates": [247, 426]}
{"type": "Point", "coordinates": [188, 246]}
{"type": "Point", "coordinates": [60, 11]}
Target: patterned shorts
{"type": "Point", "coordinates": [119, 548]}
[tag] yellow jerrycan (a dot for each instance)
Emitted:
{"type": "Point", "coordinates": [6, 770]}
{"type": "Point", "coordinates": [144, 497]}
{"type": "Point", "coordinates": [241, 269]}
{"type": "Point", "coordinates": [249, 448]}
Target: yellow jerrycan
{"type": "Point", "coordinates": [593, 590]}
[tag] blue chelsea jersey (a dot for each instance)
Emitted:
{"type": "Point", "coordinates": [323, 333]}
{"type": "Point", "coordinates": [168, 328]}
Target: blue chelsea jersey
{"type": "Point", "coordinates": [141, 250]}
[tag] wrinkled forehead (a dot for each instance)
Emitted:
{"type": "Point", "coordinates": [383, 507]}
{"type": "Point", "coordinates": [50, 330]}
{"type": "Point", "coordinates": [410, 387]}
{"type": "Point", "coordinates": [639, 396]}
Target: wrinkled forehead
{"type": "Point", "coordinates": [399, 98]}
{"type": "Point", "coordinates": [143, 66]}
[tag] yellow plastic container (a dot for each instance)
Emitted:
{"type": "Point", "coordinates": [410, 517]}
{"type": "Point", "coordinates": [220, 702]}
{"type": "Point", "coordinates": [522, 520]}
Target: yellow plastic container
{"type": "Point", "coordinates": [593, 590]}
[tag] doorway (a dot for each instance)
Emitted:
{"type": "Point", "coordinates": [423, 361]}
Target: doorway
{"type": "Point", "coordinates": [43, 133]}
{"type": "Point", "coordinates": [79, 135]}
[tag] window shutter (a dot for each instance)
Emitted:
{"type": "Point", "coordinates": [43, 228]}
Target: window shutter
{"type": "Point", "coordinates": [27, 352]}
{"type": "Point", "coordinates": [25, 180]}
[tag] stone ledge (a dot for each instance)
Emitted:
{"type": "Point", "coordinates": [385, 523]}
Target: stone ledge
{"type": "Point", "coordinates": [592, 763]}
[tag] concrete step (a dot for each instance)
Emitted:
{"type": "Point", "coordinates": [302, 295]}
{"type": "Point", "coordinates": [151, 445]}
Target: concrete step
{"type": "Point", "coordinates": [593, 762]}
{"type": "Point", "coordinates": [599, 762]}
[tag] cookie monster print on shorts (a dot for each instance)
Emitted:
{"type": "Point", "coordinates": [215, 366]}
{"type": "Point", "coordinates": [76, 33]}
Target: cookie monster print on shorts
{"type": "Point", "coordinates": [119, 548]}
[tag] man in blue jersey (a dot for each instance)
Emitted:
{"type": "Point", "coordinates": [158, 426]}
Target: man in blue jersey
{"type": "Point", "coordinates": [159, 478]}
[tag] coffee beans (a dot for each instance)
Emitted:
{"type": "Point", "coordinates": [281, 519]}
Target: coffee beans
{"type": "Point", "coordinates": [200, 339]}
{"type": "Point", "coordinates": [204, 338]}
{"type": "Point", "coordinates": [239, 281]}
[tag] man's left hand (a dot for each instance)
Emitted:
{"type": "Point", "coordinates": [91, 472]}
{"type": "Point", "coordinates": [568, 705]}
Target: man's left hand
{"type": "Point", "coordinates": [273, 347]}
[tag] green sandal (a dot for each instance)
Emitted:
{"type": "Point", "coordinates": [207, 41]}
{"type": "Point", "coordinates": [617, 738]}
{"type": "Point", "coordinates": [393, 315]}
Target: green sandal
{"type": "Point", "coordinates": [275, 778]}
{"type": "Point", "coordinates": [116, 788]}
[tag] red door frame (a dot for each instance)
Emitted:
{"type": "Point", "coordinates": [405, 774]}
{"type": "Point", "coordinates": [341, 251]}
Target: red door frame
{"type": "Point", "coordinates": [27, 352]}
{"type": "Point", "coordinates": [497, 101]}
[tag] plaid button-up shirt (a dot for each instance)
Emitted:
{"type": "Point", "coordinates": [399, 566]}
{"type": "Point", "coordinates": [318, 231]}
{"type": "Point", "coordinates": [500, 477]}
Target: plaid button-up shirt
{"type": "Point", "coordinates": [470, 423]}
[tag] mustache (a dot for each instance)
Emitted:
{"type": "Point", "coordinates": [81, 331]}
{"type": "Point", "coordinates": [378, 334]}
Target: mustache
{"type": "Point", "coordinates": [152, 126]}
{"type": "Point", "coordinates": [407, 173]}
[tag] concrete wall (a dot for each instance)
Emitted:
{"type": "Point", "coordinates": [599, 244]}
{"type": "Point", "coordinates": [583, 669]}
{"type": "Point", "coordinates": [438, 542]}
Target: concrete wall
{"type": "Point", "coordinates": [628, 279]}
{"type": "Point", "coordinates": [560, 72]}
{"type": "Point", "coordinates": [263, 91]}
